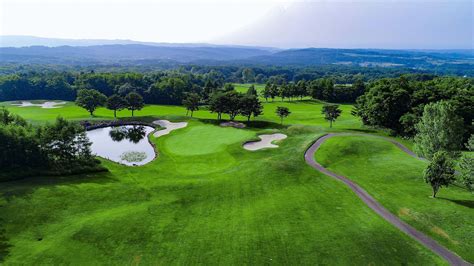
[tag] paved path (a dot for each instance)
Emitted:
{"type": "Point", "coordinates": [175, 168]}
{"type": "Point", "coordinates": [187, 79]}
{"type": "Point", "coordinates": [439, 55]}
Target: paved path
{"type": "Point", "coordinates": [451, 257]}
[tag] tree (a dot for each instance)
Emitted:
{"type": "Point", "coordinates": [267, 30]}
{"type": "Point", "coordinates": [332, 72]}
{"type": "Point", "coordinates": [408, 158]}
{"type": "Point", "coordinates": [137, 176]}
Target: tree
{"type": "Point", "coordinates": [252, 91]}
{"type": "Point", "coordinates": [384, 103]}
{"type": "Point", "coordinates": [228, 87]}
{"type": "Point", "coordinates": [260, 78]}
{"type": "Point", "coordinates": [168, 90]}
{"type": "Point", "coordinates": [90, 100]}
{"type": "Point", "coordinates": [274, 91]}
{"type": "Point", "coordinates": [217, 104]}
{"type": "Point", "coordinates": [440, 171]}
{"type": "Point", "coordinates": [248, 75]}
{"type": "Point", "coordinates": [65, 143]}
{"type": "Point", "coordinates": [191, 102]}
{"type": "Point", "coordinates": [331, 113]}
{"type": "Point", "coordinates": [134, 101]}
{"type": "Point", "coordinates": [116, 102]}
{"type": "Point", "coordinates": [284, 92]}
{"type": "Point", "coordinates": [126, 89]}
{"type": "Point", "coordinates": [439, 129]}
{"type": "Point", "coordinates": [250, 105]}
{"type": "Point", "coordinates": [301, 89]}
{"type": "Point", "coordinates": [358, 86]}
{"type": "Point", "coordinates": [267, 91]}
{"type": "Point", "coordinates": [231, 101]}
{"type": "Point", "coordinates": [7, 118]}
{"type": "Point", "coordinates": [282, 112]}
{"type": "Point", "coordinates": [328, 90]}
{"type": "Point", "coordinates": [466, 165]}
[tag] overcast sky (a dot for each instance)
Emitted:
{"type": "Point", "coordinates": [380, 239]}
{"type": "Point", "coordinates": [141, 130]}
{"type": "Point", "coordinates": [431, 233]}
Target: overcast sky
{"type": "Point", "coordinates": [290, 23]}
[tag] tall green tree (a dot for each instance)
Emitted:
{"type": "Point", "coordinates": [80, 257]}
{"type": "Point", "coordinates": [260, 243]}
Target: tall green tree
{"type": "Point", "coordinates": [466, 165]}
{"type": "Point", "coordinates": [217, 104]}
{"type": "Point", "coordinates": [267, 91]}
{"type": "Point", "coordinates": [65, 143]}
{"type": "Point", "coordinates": [116, 103]}
{"type": "Point", "coordinates": [90, 100]}
{"type": "Point", "coordinates": [134, 101]}
{"type": "Point", "coordinates": [251, 90]}
{"type": "Point", "coordinates": [232, 101]}
{"type": "Point", "coordinates": [440, 171]}
{"type": "Point", "coordinates": [439, 129]}
{"type": "Point", "coordinates": [384, 103]}
{"type": "Point", "coordinates": [191, 102]}
{"type": "Point", "coordinates": [331, 113]}
{"type": "Point", "coordinates": [274, 91]}
{"type": "Point", "coordinates": [358, 86]}
{"type": "Point", "coordinates": [250, 105]}
{"type": "Point", "coordinates": [248, 75]}
{"type": "Point", "coordinates": [301, 89]}
{"type": "Point", "coordinates": [282, 112]}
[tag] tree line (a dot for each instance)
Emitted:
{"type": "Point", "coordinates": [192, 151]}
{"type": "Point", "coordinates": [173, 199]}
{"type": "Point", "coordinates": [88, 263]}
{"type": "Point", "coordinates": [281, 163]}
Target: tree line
{"type": "Point", "coordinates": [168, 87]}
{"type": "Point", "coordinates": [58, 148]}
{"type": "Point", "coordinates": [91, 99]}
{"type": "Point", "coordinates": [398, 103]}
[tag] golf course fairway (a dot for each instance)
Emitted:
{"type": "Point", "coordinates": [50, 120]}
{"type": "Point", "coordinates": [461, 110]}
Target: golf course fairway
{"type": "Point", "coordinates": [206, 200]}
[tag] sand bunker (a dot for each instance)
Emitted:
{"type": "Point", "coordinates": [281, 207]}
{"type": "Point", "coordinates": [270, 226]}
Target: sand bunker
{"type": "Point", "coordinates": [265, 142]}
{"type": "Point", "coordinates": [42, 105]}
{"type": "Point", "coordinates": [233, 124]}
{"type": "Point", "coordinates": [169, 126]}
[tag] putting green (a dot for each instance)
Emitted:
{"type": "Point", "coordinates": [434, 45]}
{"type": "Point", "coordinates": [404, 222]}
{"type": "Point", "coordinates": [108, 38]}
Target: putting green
{"type": "Point", "coordinates": [205, 139]}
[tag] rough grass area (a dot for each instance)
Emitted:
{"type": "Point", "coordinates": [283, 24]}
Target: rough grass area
{"type": "Point", "coordinates": [395, 179]}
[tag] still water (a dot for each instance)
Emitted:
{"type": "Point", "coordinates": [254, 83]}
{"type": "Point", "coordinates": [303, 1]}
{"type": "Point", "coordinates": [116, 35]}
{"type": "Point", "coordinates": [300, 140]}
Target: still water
{"type": "Point", "coordinates": [123, 144]}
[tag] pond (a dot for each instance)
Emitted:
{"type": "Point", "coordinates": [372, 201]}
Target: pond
{"type": "Point", "coordinates": [127, 145]}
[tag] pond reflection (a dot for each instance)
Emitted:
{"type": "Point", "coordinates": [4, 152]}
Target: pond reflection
{"type": "Point", "coordinates": [127, 145]}
{"type": "Point", "coordinates": [132, 133]}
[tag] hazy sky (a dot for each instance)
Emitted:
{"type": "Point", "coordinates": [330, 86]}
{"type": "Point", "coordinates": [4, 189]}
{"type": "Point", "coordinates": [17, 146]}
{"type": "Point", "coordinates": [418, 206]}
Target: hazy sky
{"type": "Point", "coordinates": [290, 23]}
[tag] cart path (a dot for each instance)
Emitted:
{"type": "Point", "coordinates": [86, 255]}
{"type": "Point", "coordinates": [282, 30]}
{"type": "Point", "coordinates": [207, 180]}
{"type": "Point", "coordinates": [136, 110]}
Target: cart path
{"type": "Point", "coordinates": [425, 240]}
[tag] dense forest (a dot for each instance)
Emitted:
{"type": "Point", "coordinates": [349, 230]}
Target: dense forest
{"type": "Point", "coordinates": [398, 103]}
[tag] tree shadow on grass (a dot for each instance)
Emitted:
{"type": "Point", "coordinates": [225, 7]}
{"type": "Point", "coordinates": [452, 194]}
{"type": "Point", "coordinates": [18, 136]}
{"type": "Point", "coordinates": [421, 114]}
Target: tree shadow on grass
{"type": "Point", "coordinates": [361, 130]}
{"type": "Point", "coordinates": [29, 184]}
{"type": "Point", "coordinates": [465, 203]}
{"type": "Point", "coordinates": [258, 124]}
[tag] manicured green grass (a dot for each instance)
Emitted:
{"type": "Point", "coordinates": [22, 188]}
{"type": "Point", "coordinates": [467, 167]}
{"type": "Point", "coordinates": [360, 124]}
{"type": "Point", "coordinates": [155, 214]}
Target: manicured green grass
{"type": "Point", "coordinates": [303, 112]}
{"type": "Point", "coordinates": [204, 200]}
{"type": "Point", "coordinates": [395, 179]}
{"type": "Point", "coordinates": [242, 88]}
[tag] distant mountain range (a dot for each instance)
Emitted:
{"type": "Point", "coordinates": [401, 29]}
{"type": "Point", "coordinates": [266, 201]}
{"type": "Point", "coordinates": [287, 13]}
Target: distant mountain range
{"type": "Point", "coordinates": [90, 52]}
{"type": "Point", "coordinates": [26, 41]}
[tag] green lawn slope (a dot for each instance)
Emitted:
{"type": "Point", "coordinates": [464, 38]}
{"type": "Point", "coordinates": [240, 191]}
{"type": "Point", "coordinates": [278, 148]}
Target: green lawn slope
{"type": "Point", "coordinates": [395, 179]}
{"type": "Point", "coordinates": [204, 200]}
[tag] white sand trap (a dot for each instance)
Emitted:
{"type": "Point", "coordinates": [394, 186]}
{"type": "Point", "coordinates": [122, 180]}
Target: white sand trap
{"type": "Point", "coordinates": [265, 142]}
{"type": "Point", "coordinates": [169, 126]}
{"type": "Point", "coordinates": [46, 105]}
{"type": "Point", "coordinates": [232, 124]}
